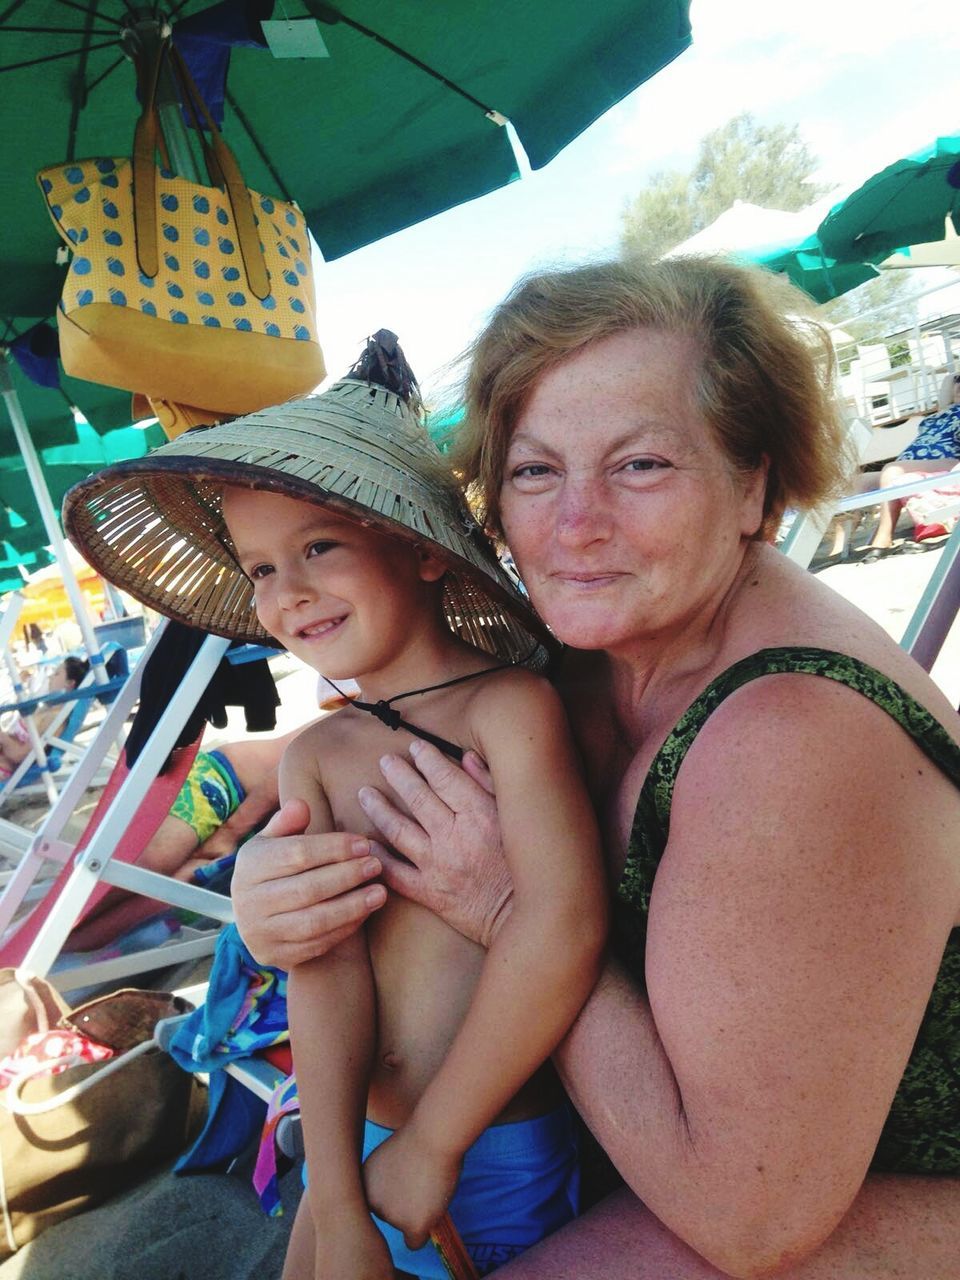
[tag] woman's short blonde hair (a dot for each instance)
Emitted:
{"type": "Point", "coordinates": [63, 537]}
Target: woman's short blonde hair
{"type": "Point", "coordinates": [764, 381]}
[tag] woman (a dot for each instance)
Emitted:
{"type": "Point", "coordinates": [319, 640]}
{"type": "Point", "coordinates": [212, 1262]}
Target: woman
{"type": "Point", "coordinates": [785, 906]}
{"type": "Point", "coordinates": [934, 451]}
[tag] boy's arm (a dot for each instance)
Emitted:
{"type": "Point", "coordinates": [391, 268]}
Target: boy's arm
{"type": "Point", "coordinates": [332, 1016]}
{"type": "Point", "coordinates": [544, 961]}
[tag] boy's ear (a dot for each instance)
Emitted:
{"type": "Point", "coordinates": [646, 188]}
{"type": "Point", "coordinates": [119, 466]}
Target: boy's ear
{"type": "Point", "coordinates": [430, 567]}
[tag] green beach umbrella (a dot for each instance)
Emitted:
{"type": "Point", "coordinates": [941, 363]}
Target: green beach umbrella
{"type": "Point", "coordinates": [810, 268]}
{"type": "Point", "coordinates": [904, 204]}
{"type": "Point", "coordinates": [385, 114]}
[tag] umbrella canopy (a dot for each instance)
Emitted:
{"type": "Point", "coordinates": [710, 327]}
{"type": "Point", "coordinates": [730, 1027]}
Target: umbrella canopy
{"type": "Point", "coordinates": [69, 450]}
{"type": "Point", "coordinates": [742, 225]}
{"type": "Point", "coordinates": [904, 204]}
{"type": "Point", "coordinates": [397, 123]}
{"type": "Point", "coordinates": [810, 268]}
{"type": "Point", "coordinates": [49, 409]}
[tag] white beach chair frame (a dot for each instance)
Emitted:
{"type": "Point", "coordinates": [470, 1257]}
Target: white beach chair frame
{"type": "Point", "coordinates": [95, 864]}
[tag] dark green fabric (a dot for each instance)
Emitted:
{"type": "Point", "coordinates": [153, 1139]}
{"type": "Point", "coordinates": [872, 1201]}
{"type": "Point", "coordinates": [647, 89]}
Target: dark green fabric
{"type": "Point", "coordinates": [922, 1132]}
{"type": "Point", "coordinates": [366, 142]}
{"type": "Point", "coordinates": [905, 203]}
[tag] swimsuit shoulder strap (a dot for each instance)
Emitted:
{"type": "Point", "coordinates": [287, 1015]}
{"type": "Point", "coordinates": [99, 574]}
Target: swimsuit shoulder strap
{"type": "Point", "coordinates": [923, 727]}
{"type": "Point", "coordinates": [651, 821]}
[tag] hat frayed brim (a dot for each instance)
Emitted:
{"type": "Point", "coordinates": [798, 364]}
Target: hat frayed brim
{"type": "Point", "coordinates": [153, 526]}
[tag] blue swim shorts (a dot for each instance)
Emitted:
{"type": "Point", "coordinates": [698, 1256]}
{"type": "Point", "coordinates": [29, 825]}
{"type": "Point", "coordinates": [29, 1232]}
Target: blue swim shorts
{"type": "Point", "coordinates": [520, 1182]}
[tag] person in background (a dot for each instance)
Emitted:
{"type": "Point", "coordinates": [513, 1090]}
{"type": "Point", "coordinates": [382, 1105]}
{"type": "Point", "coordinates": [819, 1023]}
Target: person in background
{"type": "Point", "coordinates": [229, 792]}
{"type": "Point", "coordinates": [771, 1056]}
{"type": "Point", "coordinates": [15, 742]}
{"type": "Point", "coordinates": [934, 451]}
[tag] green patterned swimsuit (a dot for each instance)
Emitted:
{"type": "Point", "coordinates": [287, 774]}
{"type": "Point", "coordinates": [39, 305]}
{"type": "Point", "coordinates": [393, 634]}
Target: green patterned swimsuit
{"type": "Point", "coordinates": [922, 1131]}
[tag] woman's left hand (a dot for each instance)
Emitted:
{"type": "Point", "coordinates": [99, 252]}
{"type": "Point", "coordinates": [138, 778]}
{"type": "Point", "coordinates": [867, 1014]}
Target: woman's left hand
{"type": "Point", "coordinates": [450, 840]}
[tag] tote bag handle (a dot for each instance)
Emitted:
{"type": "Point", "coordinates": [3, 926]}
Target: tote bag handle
{"type": "Point", "coordinates": [222, 169]}
{"type": "Point", "coordinates": [15, 1104]}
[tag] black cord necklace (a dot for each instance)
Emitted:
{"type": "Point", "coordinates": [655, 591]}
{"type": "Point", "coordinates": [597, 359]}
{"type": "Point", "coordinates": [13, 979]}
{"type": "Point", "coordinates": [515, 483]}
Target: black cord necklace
{"type": "Point", "coordinates": [387, 714]}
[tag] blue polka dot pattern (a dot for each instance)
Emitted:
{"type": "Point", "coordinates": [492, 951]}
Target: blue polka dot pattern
{"type": "Point", "coordinates": [92, 201]}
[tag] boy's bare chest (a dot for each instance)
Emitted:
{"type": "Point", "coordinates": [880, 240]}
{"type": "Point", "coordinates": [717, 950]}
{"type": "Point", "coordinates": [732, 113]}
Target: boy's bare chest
{"type": "Point", "coordinates": [425, 972]}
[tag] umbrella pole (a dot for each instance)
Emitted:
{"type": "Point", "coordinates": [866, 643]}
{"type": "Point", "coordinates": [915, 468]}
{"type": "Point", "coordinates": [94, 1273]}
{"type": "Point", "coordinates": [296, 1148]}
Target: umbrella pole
{"type": "Point", "coordinates": [51, 523]}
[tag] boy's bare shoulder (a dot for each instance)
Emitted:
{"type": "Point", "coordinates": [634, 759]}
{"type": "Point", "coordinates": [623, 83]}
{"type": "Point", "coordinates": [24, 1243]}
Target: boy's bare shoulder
{"type": "Point", "coordinates": [515, 698]}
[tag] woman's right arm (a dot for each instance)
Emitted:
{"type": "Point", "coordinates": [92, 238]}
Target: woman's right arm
{"type": "Point", "coordinates": [296, 896]}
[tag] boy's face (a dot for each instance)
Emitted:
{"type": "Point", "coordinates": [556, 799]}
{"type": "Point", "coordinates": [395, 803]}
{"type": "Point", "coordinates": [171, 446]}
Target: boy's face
{"type": "Point", "coordinates": [341, 597]}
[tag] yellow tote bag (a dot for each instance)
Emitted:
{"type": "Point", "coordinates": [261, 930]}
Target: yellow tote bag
{"type": "Point", "coordinates": [202, 295]}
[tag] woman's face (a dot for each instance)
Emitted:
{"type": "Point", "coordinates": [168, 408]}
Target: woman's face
{"type": "Point", "coordinates": [622, 512]}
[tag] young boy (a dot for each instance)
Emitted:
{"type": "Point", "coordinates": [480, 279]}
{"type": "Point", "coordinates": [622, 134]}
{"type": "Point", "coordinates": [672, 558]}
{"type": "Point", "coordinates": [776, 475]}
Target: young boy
{"type": "Point", "coordinates": [409, 1041]}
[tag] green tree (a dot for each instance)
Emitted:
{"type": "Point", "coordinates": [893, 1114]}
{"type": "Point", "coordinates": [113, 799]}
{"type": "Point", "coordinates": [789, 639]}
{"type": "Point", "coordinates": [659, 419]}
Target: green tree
{"type": "Point", "coordinates": [768, 165]}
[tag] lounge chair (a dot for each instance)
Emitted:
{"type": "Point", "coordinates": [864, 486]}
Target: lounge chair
{"type": "Point", "coordinates": [132, 807]}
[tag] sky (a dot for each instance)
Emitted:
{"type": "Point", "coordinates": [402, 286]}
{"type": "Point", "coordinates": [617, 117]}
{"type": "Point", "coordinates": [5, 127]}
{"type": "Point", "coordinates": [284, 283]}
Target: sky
{"type": "Point", "coordinates": [866, 81]}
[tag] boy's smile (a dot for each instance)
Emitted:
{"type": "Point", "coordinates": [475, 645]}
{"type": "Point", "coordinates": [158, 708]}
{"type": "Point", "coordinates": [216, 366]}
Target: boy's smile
{"type": "Point", "coordinates": [346, 599]}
